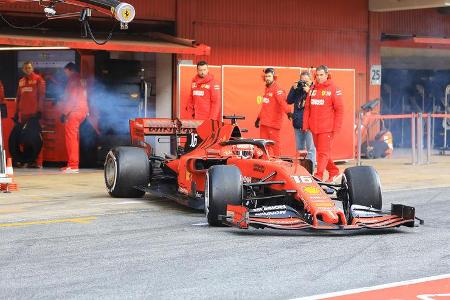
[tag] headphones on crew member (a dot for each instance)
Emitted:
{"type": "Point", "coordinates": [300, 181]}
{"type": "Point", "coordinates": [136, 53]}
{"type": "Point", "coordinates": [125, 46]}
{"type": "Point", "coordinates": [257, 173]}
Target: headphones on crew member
{"type": "Point", "coordinates": [269, 70]}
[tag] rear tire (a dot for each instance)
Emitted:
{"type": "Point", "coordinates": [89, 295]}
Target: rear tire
{"type": "Point", "coordinates": [223, 186]}
{"type": "Point", "coordinates": [125, 169]}
{"type": "Point", "coordinates": [363, 188]}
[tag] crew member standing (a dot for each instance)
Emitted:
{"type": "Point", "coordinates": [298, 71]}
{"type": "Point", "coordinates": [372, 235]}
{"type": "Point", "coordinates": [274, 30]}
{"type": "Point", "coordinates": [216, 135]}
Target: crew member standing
{"type": "Point", "coordinates": [323, 115]}
{"type": "Point", "coordinates": [297, 96]}
{"type": "Point", "coordinates": [204, 100]}
{"type": "Point", "coordinates": [75, 110]}
{"type": "Point", "coordinates": [30, 100]}
{"type": "Point", "coordinates": [274, 104]}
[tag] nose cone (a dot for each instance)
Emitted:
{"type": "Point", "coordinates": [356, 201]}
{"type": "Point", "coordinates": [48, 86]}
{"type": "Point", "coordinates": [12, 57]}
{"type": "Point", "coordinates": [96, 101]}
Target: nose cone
{"type": "Point", "coordinates": [330, 217]}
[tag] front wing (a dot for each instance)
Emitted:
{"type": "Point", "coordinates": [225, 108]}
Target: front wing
{"type": "Point", "coordinates": [286, 218]}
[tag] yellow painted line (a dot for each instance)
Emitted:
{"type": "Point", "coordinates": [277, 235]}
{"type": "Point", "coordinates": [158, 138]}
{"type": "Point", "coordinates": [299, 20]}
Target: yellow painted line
{"type": "Point", "coordinates": [85, 220]}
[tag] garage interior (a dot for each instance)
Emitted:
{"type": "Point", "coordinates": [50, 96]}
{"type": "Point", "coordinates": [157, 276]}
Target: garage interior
{"type": "Point", "coordinates": [132, 77]}
{"type": "Point", "coordinates": [415, 80]}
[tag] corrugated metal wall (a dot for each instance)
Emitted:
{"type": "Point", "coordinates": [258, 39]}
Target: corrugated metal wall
{"type": "Point", "coordinates": [287, 32]}
{"type": "Point", "coordinates": [283, 33]}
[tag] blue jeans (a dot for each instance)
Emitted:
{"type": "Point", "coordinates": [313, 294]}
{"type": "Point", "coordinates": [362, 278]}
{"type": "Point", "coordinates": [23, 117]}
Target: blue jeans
{"type": "Point", "coordinates": [304, 140]}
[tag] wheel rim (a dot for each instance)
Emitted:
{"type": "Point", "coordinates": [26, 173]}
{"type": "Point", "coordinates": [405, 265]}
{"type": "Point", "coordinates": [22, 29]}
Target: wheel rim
{"type": "Point", "coordinates": [111, 171]}
{"type": "Point", "coordinates": [207, 195]}
{"type": "Point", "coordinates": [346, 203]}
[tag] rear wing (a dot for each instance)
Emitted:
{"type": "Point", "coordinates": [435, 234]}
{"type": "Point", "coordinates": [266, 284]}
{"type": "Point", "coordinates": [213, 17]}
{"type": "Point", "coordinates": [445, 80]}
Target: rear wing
{"type": "Point", "coordinates": [142, 127]}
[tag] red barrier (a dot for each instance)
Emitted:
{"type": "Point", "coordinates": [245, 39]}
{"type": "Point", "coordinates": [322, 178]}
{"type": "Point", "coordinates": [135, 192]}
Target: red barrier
{"type": "Point", "coordinates": [390, 117]}
{"type": "Point", "coordinates": [406, 116]}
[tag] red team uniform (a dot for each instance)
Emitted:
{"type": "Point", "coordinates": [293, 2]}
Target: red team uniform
{"type": "Point", "coordinates": [204, 99]}
{"type": "Point", "coordinates": [274, 106]}
{"type": "Point", "coordinates": [323, 115]}
{"type": "Point", "coordinates": [75, 109]}
{"type": "Point", "coordinates": [30, 100]}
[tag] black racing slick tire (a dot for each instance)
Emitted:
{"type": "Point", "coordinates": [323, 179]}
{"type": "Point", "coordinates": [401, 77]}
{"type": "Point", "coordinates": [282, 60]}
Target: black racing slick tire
{"type": "Point", "coordinates": [363, 188]}
{"type": "Point", "coordinates": [127, 168]}
{"type": "Point", "coordinates": [223, 186]}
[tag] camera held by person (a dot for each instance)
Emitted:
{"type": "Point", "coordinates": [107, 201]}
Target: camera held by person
{"type": "Point", "coordinates": [301, 84]}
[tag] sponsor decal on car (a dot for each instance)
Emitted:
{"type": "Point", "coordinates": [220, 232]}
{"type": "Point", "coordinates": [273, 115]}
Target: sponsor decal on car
{"type": "Point", "coordinates": [311, 190]}
{"type": "Point", "coordinates": [269, 208]}
{"type": "Point", "coordinates": [259, 168]}
{"type": "Point", "coordinates": [270, 213]}
{"type": "Point", "coordinates": [320, 197]}
{"type": "Point", "coordinates": [302, 179]}
{"type": "Point", "coordinates": [246, 179]}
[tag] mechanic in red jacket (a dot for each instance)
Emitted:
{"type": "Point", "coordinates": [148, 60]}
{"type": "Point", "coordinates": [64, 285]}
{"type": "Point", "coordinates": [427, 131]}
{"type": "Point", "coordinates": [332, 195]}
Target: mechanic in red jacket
{"type": "Point", "coordinates": [204, 100]}
{"type": "Point", "coordinates": [323, 117]}
{"type": "Point", "coordinates": [30, 100]}
{"type": "Point", "coordinates": [274, 104]}
{"type": "Point", "coordinates": [75, 110]}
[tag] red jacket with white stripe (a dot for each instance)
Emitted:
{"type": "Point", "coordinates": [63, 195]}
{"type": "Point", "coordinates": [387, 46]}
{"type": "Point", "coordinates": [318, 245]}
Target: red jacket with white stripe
{"type": "Point", "coordinates": [274, 106]}
{"type": "Point", "coordinates": [30, 94]}
{"type": "Point", "coordinates": [324, 109]}
{"type": "Point", "coordinates": [204, 99]}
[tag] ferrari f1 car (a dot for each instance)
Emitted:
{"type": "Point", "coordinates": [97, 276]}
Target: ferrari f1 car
{"type": "Point", "coordinates": [237, 181]}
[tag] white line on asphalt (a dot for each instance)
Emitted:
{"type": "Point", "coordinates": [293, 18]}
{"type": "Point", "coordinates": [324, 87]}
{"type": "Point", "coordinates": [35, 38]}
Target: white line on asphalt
{"type": "Point", "coordinates": [373, 288]}
{"type": "Point", "coordinates": [416, 188]}
{"type": "Point", "coordinates": [118, 203]}
{"type": "Point", "coordinates": [200, 224]}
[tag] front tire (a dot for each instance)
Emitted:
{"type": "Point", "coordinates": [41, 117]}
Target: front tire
{"type": "Point", "coordinates": [363, 188]}
{"type": "Point", "coordinates": [125, 169]}
{"type": "Point", "coordinates": [223, 186]}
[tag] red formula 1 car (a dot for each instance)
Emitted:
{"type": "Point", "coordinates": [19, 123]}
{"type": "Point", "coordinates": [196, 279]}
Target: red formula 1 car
{"type": "Point", "coordinates": [237, 182]}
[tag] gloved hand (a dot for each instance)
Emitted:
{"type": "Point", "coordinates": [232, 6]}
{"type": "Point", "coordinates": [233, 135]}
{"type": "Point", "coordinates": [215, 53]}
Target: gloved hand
{"type": "Point", "coordinates": [290, 115]}
{"type": "Point", "coordinates": [38, 115]}
{"type": "Point", "coordinates": [16, 118]}
{"type": "Point", "coordinates": [63, 118]}
{"type": "Point", "coordinates": [257, 123]}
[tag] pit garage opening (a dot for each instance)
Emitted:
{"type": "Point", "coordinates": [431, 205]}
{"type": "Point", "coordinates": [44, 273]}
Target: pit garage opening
{"type": "Point", "coordinates": [416, 79]}
{"type": "Point", "coordinates": [130, 76]}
